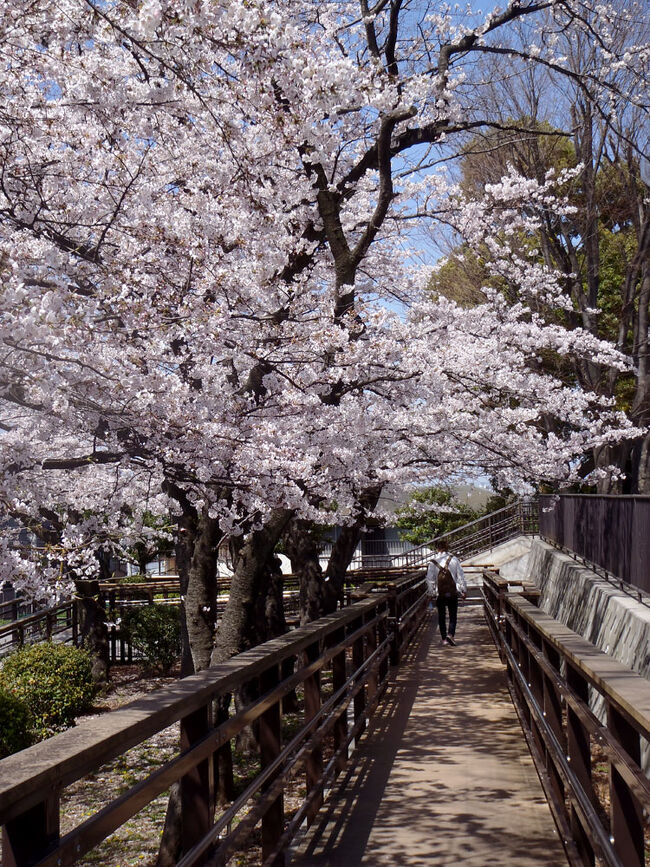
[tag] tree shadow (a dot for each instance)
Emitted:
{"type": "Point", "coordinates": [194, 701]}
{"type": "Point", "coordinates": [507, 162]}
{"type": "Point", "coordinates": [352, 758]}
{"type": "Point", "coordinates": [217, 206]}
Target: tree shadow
{"type": "Point", "coordinates": [443, 774]}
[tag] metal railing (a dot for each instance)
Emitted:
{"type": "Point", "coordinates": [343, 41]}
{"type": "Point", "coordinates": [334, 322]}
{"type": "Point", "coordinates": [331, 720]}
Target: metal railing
{"type": "Point", "coordinates": [479, 535]}
{"type": "Point", "coordinates": [612, 532]}
{"type": "Point", "coordinates": [556, 678]}
{"type": "Point", "coordinates": [356, 645]}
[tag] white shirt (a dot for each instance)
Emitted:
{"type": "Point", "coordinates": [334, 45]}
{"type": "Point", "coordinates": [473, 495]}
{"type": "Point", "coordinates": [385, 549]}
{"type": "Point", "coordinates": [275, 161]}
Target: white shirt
{"type": "Point", "coordinates": [444, 558]}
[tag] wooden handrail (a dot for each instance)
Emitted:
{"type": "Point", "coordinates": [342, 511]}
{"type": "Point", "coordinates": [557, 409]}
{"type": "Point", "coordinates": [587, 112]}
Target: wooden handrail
{"type": "Point", "coordinates": [624, 688]}
{"type": "Point", "coordinates": [75, 752]}
{"type": "Point", "coordinates": [30, 781]}
{"type": "Point", "coordinates": [555, 675]}
{"type": "Point", "coordinates": [31, 619]}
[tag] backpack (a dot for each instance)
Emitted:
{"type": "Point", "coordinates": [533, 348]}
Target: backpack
{"type": "Point", "coordinates": [446, 583]}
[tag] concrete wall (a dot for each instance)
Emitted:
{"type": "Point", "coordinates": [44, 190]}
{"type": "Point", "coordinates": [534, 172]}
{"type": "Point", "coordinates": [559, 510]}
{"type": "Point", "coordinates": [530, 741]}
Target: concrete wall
{"type": "Point", "coordinates": [591, 606]}
{"type": "Point", "coordinates": [510, 558]}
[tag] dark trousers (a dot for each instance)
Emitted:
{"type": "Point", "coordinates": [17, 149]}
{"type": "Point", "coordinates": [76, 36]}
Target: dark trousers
{"type": "Point", "coordinates": [443, 604]}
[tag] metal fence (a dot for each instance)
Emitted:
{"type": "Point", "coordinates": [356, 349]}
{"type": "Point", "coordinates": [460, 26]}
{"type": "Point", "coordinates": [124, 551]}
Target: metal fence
{"type": "Point", "coordinates": [610, 531]}
{"type": "Point", "coordinates": [480, 535]}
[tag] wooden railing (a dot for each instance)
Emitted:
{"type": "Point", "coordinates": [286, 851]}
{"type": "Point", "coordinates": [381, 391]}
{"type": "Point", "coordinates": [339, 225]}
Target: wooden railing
{"type": "Point", "coordinates": [13, 609]}
{"type": "Point", "coordinates": [57, 623]}
{"type": "Point", "coordinates": [557, 681]}
{"type": "Point", "coordinates": [476, 536]}
{"type": "Point", "coordinates": [61, 622]}
{"type": "Point", "coordinates": [356, 644]}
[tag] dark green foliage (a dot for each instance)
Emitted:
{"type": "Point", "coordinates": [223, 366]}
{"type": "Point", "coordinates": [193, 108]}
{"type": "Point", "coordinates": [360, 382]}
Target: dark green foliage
{"type": "Point", "coordinates": [154, 631]}
{"type": "Point", "coordinates": [15, 726]}
{"type": "Point", "coordinates": [142, 578]}
{"type": "Point", "coordinates": [430, 513]}
{"type": "Point", "coordinates": [53, 681]}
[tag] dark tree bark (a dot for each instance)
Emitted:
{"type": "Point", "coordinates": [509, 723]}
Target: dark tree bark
{"type": "Point", "coordinates": [302, 549]}
{"type": "Point", "coordinates": [186, 534]}
{"type": "Point", "coordinates": [238, 628]}
{"type": "Point", "coordinates": [321, 592]}
{"type": "Point", "coordinates": [272, 618]}
{"type": "Point", "coordinates": [201, 591]}
{"type": "Point", "coordinates": [196, 561]}
{"type": "Point", "coordinates": [93, 631]}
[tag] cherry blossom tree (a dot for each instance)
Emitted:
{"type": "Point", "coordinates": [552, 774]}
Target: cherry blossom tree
{"type": "Point", "coordinates": [209, 307]}
{"type": "Point", "coordinates": [600, 244]}
{"type": "Point", "coordinates": [203, 216]}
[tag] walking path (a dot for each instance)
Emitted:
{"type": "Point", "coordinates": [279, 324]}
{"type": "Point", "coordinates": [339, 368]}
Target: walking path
{"type": "Point", "coordinates": [444, 775]}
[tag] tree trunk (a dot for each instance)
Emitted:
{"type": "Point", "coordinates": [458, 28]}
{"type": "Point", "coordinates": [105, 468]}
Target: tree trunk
{"type": "Point", "coordinates": [340, 558]}
{"type": "Point", "coordinates": [618, 456]}
{"type": "Point", "coordinates": [185, 537]}
{"type": "Point", "coordinates": [92, 627]}
{"type": "Point", "coordinates": [196, 561]}
{"type": "Point", "coordinates": [345, 546]}
{"type": "Point", "coordinates": [302, 549]}
{"type": "Point", "coordinates": [201, 592]}
{"type": "Point", "coordinates": [238, 628]}
{"type": "Point", "coordinates": [321, 593]}
{"type": "Point", "coordinates": [273, 620]}
{"type": "Point", "coordinates": [643, 467]}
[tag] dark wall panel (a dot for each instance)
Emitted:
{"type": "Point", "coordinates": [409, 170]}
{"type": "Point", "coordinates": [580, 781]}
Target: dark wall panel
{"type": "Point", "coordinates": [613, 532]}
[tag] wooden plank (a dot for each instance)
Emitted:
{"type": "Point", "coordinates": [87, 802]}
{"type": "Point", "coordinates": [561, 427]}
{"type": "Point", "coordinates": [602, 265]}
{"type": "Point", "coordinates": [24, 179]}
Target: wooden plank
{"type": "Point", "coordinates": [197, 793]}
{"type": "Point", "coordinates": [626, 812]}
{"type": "Point", "coordinates": [625, 688]}
{"type": "Point", "coordinates": [314, 763]}
{"type": "Point", "coordinates": [444, 776]}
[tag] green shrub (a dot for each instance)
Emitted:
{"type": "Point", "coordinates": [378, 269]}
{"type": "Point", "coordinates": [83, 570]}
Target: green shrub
{"type": "Point", "coordinates": [141, 578]}
{"type": "Point", "coordinates": [15, 725]}
{"type": "Point", "coordinates": [154, 631]}
{"type": "Point", "coordinates": [54, 681]}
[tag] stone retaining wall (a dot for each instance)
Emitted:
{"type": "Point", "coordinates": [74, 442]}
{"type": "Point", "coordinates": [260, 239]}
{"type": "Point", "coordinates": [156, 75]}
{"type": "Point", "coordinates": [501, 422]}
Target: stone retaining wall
{"type": "Point", "coordinates": [609, 618]}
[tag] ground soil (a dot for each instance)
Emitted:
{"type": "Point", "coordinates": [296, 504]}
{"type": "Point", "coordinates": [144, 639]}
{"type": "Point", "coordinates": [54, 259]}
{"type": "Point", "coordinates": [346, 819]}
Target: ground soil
{"type": "Point", "coordinates": [136, 842]}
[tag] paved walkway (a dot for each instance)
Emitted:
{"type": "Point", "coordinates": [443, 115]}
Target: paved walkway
{"type": "Point", "coordinates": [444, 775]}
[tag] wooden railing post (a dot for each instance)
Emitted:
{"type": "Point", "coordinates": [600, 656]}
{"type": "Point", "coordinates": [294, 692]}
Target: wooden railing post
{"type": "Point", "coordinates": [197, 785]}
{"type": "Point", "coordinates": [49, 618]}
{"type": "Point", "coordinates": [579, 754]}
{"type": "Point", "coordinates": [536, 681]}
{"type": "Point", "coordinates": [553, 711]}
{"type": "Point", "coordinates": [382, 634]}
{"type": "Point", "coordinates": [357, 662]}
{"type": "Point", "coordinates": [339, 677]}
{"type": "Point", "coordinates": [371, 646]}
{"type": "Point", "coordinates": [27, 838]}
{"type": "Point", "coordinates": [74, 612]}
{"type": "Point", "coordinates": [393, 618]}
{"type": "Point", "coordinates": [112, 611]}
{"type": "Point", "coordinates": [314, 764]}
{"type": "Point", "coordinates": [270, 734]}
{"type": "Point", "coordinates": [625, 811]}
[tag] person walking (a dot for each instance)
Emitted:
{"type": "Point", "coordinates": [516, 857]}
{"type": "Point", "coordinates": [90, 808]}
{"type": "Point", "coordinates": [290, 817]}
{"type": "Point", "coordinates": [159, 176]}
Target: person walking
{"type": "Point", "coordinates": [446, 583]}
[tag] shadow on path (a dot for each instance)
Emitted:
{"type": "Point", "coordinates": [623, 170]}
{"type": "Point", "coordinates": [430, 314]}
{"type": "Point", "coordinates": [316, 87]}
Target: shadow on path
{"type": "Point", "coordinates": [443, 774]}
